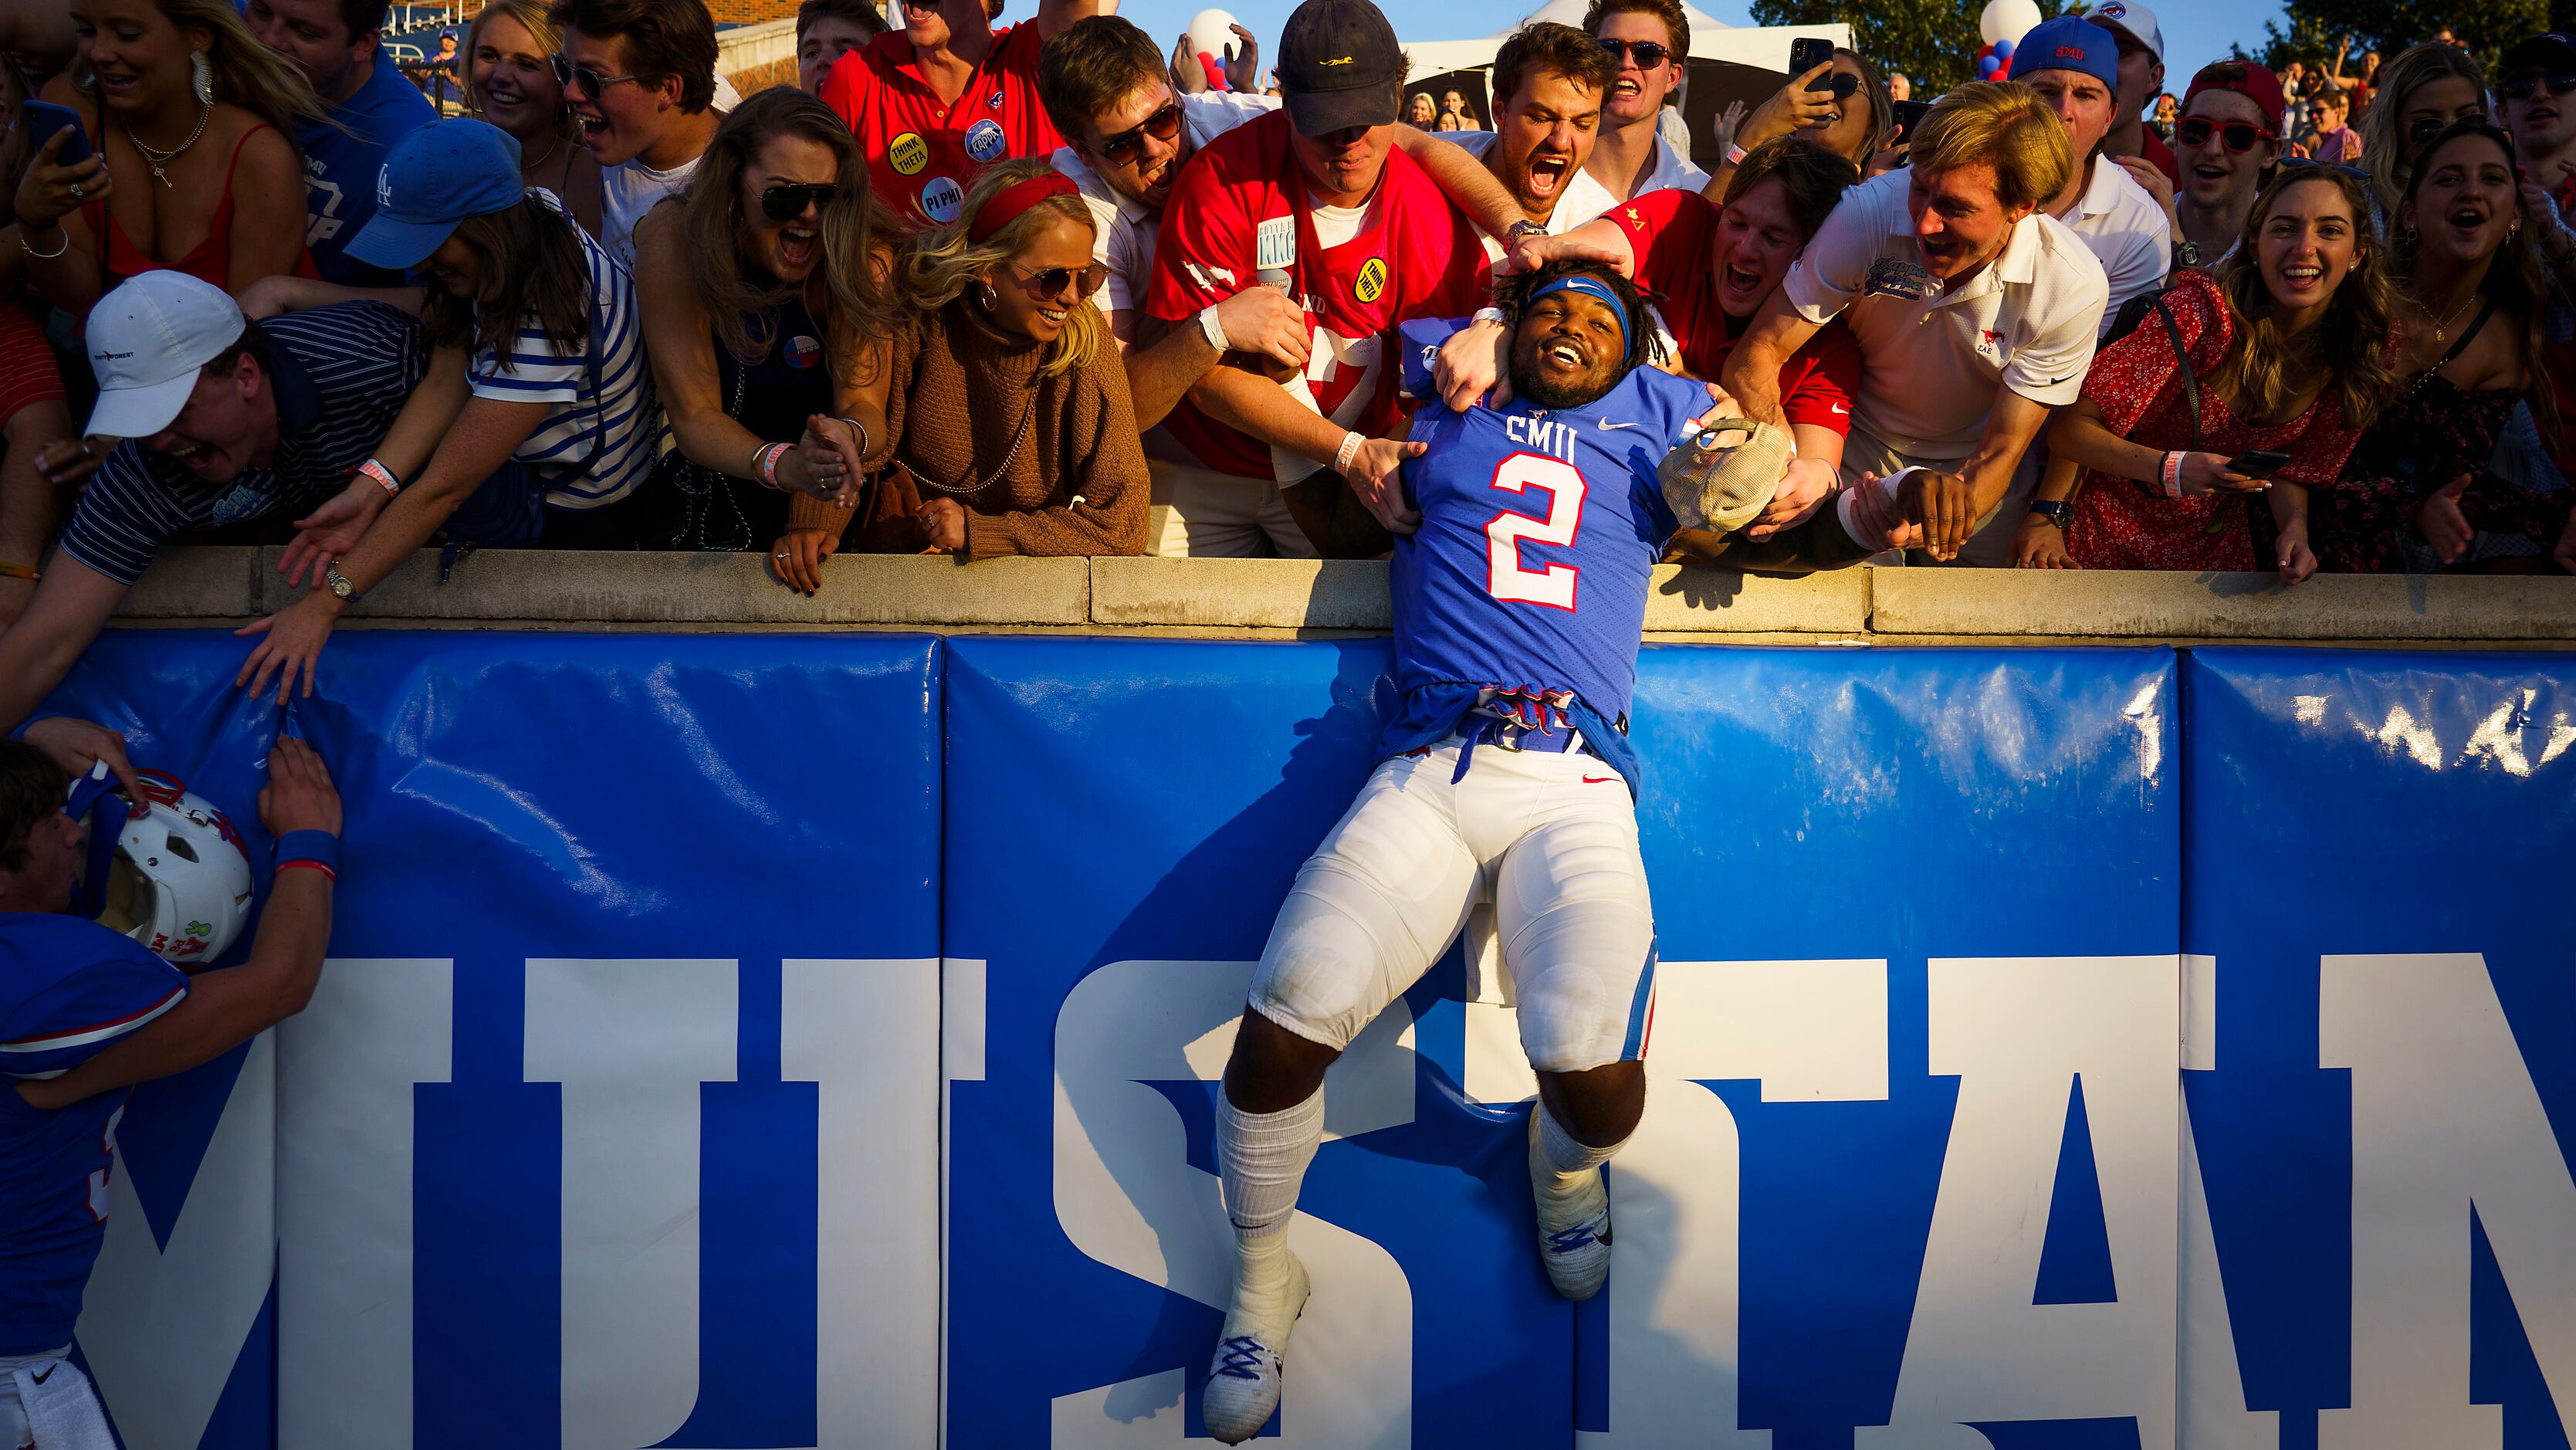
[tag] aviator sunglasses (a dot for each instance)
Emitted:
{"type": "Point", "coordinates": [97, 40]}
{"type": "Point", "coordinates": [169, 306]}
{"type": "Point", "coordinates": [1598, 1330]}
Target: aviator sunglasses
{"type": "Point", "coordinates": [1646, 53]}
{"type": "Point", "coordinates": [1051, 281]}
{"type": "Point", "coordinates": [785, 202]}
{"type": "Point", "coordinates": [2521, 87]}
{"type": "Point", "coordinates": [592, 82]}
{"type": "Point", "coordinates": [1124, 147]}
{"type": "Point", "coordinates": [2239, 136]}
{"type": "Point", "coordinates": [2425, 128]}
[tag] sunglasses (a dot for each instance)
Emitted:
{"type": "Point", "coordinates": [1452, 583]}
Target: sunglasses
{"type": "Point", "coordinates": [2238, 136]}
{"type": "Point", "coordinates": [592, 83]}
{"type": "Point", "coordinates": [2520, 88]}
{"type": "Point", "coordinates": [786, 202]}
{"type": "Point", "coordinates": [1646, 53]}
{"type": "Point", "coordinates": [1124, 147]}
{"type": "Point", "coordinates": [2425, 128]}
{"type": "Point", "coordinates": [1051, 281]}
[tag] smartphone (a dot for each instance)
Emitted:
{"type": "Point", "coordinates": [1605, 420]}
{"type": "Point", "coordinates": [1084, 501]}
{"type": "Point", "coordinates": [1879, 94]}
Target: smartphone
{"type": "Point", "coordinates": [43, 118]}
{"type": "Point", "coordinates": [1906, 114]}
{"type": "Point", "coordinates": [2259, 462]}
{"type": "Point", "coordinates": [1808, 52]}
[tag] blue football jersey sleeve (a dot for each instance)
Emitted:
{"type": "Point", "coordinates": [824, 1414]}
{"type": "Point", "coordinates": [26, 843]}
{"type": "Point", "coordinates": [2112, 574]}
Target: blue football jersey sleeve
{"type": "Point", "coordinates": [69, 990]}
{"type": "Point", "coordinates": [1422, 338]}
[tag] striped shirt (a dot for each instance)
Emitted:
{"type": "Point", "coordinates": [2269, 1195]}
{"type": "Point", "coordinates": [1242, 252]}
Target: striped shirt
{"type": "Point", "coordinates": [597, 441]}
{"type": "Point", "coordinates": [340, 375]}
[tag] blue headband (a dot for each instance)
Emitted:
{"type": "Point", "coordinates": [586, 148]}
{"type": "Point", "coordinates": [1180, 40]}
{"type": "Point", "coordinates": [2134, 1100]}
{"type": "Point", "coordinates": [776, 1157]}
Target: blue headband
{"type": "Point", "coordinates": [1589, 286]}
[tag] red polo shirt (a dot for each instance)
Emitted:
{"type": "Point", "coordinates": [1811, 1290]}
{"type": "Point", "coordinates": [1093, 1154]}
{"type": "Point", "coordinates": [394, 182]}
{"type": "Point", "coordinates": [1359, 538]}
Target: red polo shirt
{"type": "Point", "coordinates": [923, 153]}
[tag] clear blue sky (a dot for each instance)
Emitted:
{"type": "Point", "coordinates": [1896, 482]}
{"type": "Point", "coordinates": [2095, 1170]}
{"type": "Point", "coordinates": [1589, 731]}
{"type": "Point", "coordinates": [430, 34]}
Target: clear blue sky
{"type": "Point", "coordinates": [2196, 31]}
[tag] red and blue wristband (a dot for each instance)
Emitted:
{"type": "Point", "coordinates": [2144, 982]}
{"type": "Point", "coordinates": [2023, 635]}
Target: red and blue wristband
{"type": "Point", "coordinates": [318, 850]}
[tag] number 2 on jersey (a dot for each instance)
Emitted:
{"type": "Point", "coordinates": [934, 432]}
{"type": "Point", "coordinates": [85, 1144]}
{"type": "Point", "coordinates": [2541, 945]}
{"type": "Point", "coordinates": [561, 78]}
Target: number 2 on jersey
{"type": "Point", "coordinates": [1505, 579]}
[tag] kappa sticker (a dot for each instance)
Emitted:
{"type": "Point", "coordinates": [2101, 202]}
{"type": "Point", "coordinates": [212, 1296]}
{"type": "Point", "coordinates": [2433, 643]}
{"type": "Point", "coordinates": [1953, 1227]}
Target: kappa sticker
{"type": "Point", "coordinates": [1372, 280]}
{"type": "Point", "coordinates": [908, 152]}
{"type": "Point", "coordinates": [942, 199]}
{"type": "Point", "coordinates": [984, 141]}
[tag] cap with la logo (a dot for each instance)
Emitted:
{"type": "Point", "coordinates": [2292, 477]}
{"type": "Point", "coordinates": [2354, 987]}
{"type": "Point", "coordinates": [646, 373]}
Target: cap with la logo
{"type": "Point", "coordinates": [147, 341]}
{"type": "Point", "coordinates": [434, 178]}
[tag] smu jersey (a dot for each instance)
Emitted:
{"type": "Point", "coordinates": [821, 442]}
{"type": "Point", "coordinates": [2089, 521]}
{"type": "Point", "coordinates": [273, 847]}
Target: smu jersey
{"type": "Point", "coordinates": [69, 989]}
{"type": "Point", "coordinates": [1539, 535]}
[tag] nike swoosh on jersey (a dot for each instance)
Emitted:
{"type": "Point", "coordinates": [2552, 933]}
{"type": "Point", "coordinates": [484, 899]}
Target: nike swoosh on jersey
{"type": "Point", "coordinates": [1599, 779]}
{"type": "Point", "coordinates": [1841, 411]}
{"type": "Point", "coordinates": [1607, 425]}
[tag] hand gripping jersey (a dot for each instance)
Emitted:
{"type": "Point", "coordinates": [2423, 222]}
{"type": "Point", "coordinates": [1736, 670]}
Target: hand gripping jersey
{"type": "Point", "coordinates": [1408, 255]}
{"type": "Point", "coordinates": [1539, 535]}
{"type": "Point", "coordinates": [924, 153]}
{"type": "Point", "coordinates": [69, 990]}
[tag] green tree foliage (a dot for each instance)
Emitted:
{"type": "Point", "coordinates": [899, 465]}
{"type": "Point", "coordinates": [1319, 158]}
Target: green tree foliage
{"type": "Point", "coordinates": [1933, 41]}
{"type": "Point", "coordinates": [2317, 27]}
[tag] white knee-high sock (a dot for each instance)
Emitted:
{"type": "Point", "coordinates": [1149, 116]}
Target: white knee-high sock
{"type": "Point", "coordinates": [1261, 1159]}
{"type": "Point", "coordinates": [1573, 1162]}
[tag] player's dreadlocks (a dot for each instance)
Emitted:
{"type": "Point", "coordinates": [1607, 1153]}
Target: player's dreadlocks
{"type": "Point", "coordinates": [1645, 345]}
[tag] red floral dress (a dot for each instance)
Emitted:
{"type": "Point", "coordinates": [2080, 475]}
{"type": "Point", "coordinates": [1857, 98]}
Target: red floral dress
{"type": "Point", "coordinates": [2118, 523]}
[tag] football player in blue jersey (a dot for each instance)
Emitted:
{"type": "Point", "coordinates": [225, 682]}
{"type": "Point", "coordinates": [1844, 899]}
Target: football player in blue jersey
{"type": "Point", "coordinates": [1528, 536]}
{"type": "Point", "coordinates": [85, 1013]}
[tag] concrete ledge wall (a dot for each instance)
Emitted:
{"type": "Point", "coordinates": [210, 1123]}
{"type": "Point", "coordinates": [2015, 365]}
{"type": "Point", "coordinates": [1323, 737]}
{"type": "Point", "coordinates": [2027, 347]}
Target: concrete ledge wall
{"type": "Point", "coordinates": [1269, 596]}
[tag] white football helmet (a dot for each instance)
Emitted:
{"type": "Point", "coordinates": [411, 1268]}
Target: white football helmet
{"type": "Point", "coordinates": [178, 882]}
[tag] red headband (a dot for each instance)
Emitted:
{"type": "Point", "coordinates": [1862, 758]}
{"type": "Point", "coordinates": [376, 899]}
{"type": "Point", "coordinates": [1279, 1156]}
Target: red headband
{"type": "Point", "coordinates": [1010, 201]}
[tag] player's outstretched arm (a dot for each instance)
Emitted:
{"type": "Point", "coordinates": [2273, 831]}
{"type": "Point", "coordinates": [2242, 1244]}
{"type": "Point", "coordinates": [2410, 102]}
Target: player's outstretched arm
{"type": "Point", "coordinates": [226, 1008]}
{"type": "Point", "coordinates": [1753, 369]}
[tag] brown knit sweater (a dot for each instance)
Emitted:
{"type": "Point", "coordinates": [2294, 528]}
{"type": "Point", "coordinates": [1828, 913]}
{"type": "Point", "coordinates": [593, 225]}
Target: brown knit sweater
{"type": "Point", "coordinates": [1077, 483]}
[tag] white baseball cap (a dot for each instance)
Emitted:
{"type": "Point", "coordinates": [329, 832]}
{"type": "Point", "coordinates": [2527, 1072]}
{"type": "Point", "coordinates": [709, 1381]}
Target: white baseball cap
{"type": "Point", "coordinates": [2134, 18]}
{"type": "Point", "coordinates": [147, 341]}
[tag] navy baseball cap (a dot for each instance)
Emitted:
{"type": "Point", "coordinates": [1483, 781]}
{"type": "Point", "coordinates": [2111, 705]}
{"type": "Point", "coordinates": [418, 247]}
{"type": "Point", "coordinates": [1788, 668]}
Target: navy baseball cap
{"type": "Point", "coordinates": [1339, 66]}
{"type": "Point", "coordinates": [2553, 53]}
{"type": "Point", "coordinates": [2068, 43]}
{"type": "Point", "coordinates": [434, 178]}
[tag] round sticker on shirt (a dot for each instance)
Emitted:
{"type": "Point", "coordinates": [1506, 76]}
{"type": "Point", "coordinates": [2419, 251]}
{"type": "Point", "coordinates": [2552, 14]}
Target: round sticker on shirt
{"type": "Point", "coordinates": [1372, 280]}
{"type": "Point", "coordinates": [984, 141]}
{"type": "Point", "coordinates": [941, 199]}
{"type": "Point", "coordinates": [908, 152]}
{"type": "Point", "coordinates": [803, 352]}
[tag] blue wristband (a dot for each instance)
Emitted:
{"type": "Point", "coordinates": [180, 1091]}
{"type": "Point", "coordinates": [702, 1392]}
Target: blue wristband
{"type": "Point", "coordinates": [317, 846]}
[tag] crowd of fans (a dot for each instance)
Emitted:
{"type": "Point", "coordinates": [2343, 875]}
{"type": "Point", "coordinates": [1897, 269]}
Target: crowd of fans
{"type": "Point", "coordinates": [1049, 288]}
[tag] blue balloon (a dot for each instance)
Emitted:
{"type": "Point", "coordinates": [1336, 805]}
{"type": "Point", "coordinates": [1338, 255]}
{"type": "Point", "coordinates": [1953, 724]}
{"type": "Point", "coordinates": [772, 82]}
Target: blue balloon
{"type": "Point", "coordinates": [1987, 65]}
{"type": "Point", "coordinates": [2003, 50]}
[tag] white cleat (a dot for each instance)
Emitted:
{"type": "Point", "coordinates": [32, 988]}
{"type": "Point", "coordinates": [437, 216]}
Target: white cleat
{"type": "Point", "coordinates": [1251, 1355]}
{"type": "Point", "coordinates": [1573, 1225]}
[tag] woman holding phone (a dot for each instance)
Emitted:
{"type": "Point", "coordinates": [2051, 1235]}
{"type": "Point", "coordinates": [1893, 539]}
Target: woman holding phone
{"type": "Point", "coordinates": [188, 124]}
{"type": "Point", "coordinates": [2260, 387]}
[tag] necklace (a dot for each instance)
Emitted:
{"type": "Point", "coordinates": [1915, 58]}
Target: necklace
{"type": "Point", "coordinates": [2442, 329]}
{"type": "Point", "coordinates": [156, 158]}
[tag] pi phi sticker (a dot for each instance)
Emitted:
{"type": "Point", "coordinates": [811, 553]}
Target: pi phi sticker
{"type": "Point", "coordinates": [941, 198]}
{"type": "Point", "coordinates": [984, 141]}
{"type": "Point", "coordinates": [1896, 277]}
{"type": "Point", "coordinates": [803, 352]}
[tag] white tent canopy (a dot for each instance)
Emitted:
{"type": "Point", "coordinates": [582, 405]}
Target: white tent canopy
{"type": "Point", "coordinates": [1762, 46]}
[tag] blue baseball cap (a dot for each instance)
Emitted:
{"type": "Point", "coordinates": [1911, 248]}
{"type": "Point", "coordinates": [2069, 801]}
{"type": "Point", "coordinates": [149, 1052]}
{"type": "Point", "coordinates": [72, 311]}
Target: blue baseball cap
{"type": "Point", "coordinates": [2068, 43]}
{"type": "Point", "coordinates": [434, 178]}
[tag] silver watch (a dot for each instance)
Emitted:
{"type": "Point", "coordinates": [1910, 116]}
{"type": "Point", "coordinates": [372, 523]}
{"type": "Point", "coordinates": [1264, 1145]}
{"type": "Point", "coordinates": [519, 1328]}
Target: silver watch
{"type": "Point", "coordinates": [339, 582]}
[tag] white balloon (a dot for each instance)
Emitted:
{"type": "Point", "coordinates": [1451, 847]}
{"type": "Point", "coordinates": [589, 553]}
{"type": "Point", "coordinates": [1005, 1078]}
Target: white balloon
{"type": "Point", "coordinates": [2007, 20]}
{"type": "Point", "coordinates": [1211, 31]}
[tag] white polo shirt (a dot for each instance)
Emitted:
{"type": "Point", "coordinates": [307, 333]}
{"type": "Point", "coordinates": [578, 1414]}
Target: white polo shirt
{"type": "Point", "coordinates": [2127, 230]}
{"type": "Point", "coordinates": [1582, 199]}
{"type": "Point", "coordinates": [1930, 365]}
{"type": "Point", "coordinates": [1123, 229]}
